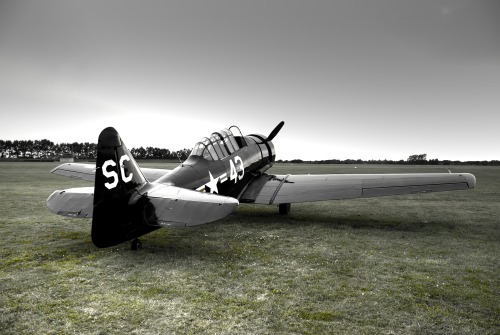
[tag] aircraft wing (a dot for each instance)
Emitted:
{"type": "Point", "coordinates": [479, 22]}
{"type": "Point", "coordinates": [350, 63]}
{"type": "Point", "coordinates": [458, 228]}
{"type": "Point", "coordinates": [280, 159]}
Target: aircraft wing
{"type": "Point", "coordinates": [170, 206]}
{"type": "Point", "coordinates": [282, 189]}
{"type": "Point", "coordinates": [87, 171]}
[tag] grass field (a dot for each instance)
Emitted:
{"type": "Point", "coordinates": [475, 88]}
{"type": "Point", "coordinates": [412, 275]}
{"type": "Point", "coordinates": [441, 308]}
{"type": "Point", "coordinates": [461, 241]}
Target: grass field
{"type": "Point", "coordinates": [417, 264]}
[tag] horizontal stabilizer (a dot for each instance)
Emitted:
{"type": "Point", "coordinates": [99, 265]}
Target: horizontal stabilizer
{"type": "Point", "coordinates": [162, 205]}
{"type": "Point", "coordinates": [73, 202]}
{"type": "Point", "coordinates": [87, 171]}
{"type": "Point", "coordinates": [171, 206]}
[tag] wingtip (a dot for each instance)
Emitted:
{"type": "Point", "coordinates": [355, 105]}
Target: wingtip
{"type": "Point", "coordinates": [57, 167]}
{"type": "Point", "coordinates": [471, 180]}
{"type": "Point", "coordinates": [231, 201]}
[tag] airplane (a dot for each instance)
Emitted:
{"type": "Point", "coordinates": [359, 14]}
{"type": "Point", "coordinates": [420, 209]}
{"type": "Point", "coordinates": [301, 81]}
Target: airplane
{"type": "Point", "coordinates": [222, 171]}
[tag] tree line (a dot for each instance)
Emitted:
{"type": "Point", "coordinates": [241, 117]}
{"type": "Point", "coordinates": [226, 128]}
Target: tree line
{"type": "Point", "coordinates": [45, 149]}
{"type": "Point", "coordinates": [419, 159]}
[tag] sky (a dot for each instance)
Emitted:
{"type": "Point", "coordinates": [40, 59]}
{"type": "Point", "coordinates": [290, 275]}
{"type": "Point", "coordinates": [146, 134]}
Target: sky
{"type": "Point", "coordinates": [360, 79]}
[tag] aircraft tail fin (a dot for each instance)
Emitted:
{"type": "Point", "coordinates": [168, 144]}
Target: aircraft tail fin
{"type": "Point", "coordinates": [117, 178]}
{"type": "Point", "coordinates": [118, 169]}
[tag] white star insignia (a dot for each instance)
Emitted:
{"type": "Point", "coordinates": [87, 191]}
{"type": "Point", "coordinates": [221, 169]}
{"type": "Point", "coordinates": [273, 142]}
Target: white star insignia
{"type": "Point", "coordinates": [212, 184]}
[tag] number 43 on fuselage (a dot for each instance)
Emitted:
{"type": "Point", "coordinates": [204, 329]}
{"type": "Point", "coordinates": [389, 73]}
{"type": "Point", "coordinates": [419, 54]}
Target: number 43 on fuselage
{"type": "Point", "coordinates": [222, 170]}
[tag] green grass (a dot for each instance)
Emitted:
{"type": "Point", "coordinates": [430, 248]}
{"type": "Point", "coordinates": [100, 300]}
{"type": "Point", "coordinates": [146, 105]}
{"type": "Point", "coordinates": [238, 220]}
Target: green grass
{"type": "Point", "coordinates": [417, 264]}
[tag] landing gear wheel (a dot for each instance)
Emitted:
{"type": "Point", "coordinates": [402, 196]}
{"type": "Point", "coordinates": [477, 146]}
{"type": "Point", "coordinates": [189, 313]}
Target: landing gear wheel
{"type": "Point", "coordinates": [136, 244]}
{"type": "Point", "coordinates": [284, 208]}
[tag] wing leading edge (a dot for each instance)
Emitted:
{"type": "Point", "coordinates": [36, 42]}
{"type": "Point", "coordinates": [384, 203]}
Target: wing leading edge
{"type": "Point", "coordinates": [281, 189]}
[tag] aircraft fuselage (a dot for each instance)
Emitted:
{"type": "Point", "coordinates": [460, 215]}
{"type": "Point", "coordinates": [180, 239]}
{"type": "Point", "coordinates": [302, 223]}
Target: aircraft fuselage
{"type": "Point", "coordinates": [226, 176]}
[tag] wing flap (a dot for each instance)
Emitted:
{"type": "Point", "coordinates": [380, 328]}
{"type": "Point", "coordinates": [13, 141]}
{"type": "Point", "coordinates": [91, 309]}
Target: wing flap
{"type": "Point", "coordinates": [268, 189]}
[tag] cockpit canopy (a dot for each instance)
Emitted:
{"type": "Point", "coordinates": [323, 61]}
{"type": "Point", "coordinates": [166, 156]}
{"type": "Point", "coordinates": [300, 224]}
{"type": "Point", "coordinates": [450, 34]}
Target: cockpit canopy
{"type": "Point", "coordinates": [220, 144]}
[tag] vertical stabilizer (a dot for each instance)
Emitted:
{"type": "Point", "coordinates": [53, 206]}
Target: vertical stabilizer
{"type": "Point", "coordinates": [117, 178]}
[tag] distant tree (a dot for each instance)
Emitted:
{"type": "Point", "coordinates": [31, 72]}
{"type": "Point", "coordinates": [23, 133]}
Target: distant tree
{"type": "Point", "coordinates": [149, 152]}
{"type": "Point", "coordinates": [434, 161]}
{"type": "Point", "coordinates": [165, 154]}
{"type": "Point", "coordinates": [141, 153]}
{"type": "Point", "coordinates": [182, 154]}
{"type": "Point", "coordinates": [417, 159]}
{"type": "Point", "coordinates": [88, 150]}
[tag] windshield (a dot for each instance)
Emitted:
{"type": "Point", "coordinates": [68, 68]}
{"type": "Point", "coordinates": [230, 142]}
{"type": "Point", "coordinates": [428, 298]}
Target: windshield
{"type": "Point", "coordinates": [218, 146]}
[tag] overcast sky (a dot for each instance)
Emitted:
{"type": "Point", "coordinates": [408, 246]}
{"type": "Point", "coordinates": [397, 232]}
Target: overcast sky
{"type": "Point", "coordinates": [369, 79]}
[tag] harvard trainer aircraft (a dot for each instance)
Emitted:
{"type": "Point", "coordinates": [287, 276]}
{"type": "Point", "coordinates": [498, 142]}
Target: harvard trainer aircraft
{"type": "Point", "coordinates": [222, 170]}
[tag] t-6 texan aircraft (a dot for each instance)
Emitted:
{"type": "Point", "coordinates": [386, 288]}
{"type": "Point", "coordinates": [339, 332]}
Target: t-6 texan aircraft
{"type": "Point", "coordinates": [222, 170]}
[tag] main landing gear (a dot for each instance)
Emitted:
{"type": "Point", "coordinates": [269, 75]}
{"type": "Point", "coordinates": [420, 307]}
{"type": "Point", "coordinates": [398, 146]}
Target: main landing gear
{"type": "Point", "coordinates": [136, 244]}
{"type": "Point", "coordinates": [284, 208]}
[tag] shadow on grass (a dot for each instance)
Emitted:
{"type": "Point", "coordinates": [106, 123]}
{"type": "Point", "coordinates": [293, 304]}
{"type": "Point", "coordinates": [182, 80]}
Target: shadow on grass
{"type": "Point", "coordinates": [183, 246]}
{"type": "Point", "coordinates": [309, 215]}
{"type": "Point", "coordinates": [224, 240]}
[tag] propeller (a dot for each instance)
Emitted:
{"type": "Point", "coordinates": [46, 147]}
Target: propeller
{"type": "Point", "coordinates": [275, 131]}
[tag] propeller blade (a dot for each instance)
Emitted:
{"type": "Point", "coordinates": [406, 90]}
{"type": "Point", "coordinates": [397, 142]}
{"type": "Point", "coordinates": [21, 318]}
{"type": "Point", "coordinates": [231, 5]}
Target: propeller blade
{"type": "Point", "coordinates": [275, 131]}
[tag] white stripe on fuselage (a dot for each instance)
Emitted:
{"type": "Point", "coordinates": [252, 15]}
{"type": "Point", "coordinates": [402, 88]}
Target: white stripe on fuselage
{"type": "Point", "coordinates": [234, 175]}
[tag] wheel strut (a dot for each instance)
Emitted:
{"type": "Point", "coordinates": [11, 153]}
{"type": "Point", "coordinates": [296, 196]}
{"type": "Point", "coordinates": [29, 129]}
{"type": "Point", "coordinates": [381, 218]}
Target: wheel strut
{"type": "Point", "coordinates": [284, 208]}
{"type": "Point", "coordinates": [136, 244]}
